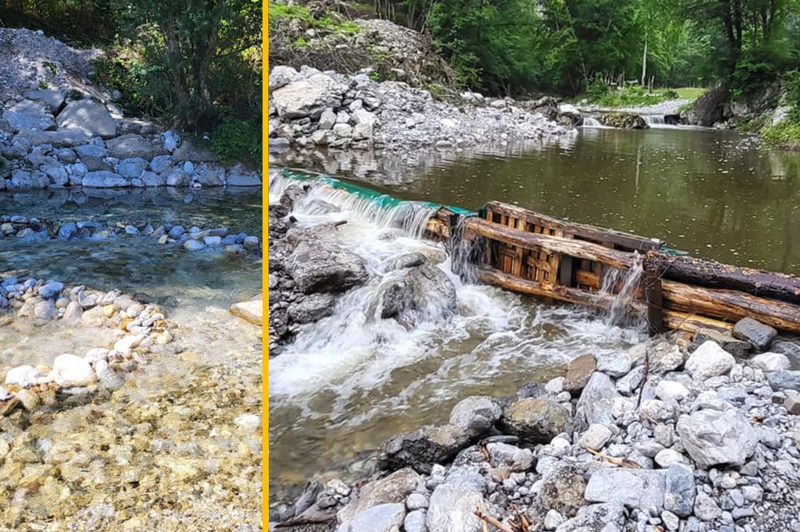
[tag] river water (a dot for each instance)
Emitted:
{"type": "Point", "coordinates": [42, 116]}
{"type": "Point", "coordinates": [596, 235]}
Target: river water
{"type": "Point", "coordinates": [346, 385]}
{"type": "Point", "coordinates": [187, 400]}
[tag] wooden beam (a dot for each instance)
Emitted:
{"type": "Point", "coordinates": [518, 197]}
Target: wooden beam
{"type": "Point", "coordinates": [589, 232]}
{"type": "Point", "coordinates": [653, 299]}
{"type": "Point", "coordinates": [575, 248]}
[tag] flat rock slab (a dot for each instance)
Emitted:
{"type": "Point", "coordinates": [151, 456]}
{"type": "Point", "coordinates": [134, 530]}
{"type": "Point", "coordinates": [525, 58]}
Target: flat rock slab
{"type": "Point", "coordinates": [635, 488]}
{"type": "Point", "coordinates": [63, 138]}
{"type": "Point", "coordinates": [52, 98]}
{"type": "Point", "coordinates": [28, 115]}
{"type": "Point", "coordinates": [252, 311]}
{"type": "Point", "coordinates": [89, 116]}
{"type": "Point", "coordinates": [131, 146]}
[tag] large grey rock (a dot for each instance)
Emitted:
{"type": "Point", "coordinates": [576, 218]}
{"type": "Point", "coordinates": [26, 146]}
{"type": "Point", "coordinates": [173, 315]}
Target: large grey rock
{"type": "Point", "coordinates": [537, 420]}
{"type": "Point", "coordinates": [476, 414]}
{"type": "Point", "coordinates": [756, 333]}
{"type": "Point", "coordinates": [104, 179]}
{"type": "Point", "coordinates": [391, 489]}
{"type": "Point", "coordinates": [25, 180]}
{"type": "Point", "coordinates": [579, 370]}
{"type": "Point", "coordinates": [614, 364]}
{"type": "Point", "coordinates": [58, 139]}
{"type": "Point", "coordinates": [680, 490]}
{"type": "Point", "coordinates": [28, 115]}
{"type": "Point", "coordinates": [790, 349]}
{"type": "Point", "coordinates": [132, 168]}
{"type": "Point", "coordinates": [281, 76]}
{"type": "Point", "coordinates": [608, 517]}
{"type": "Point", "coordinates": [56, 173]}
{"type": "Point", "coordinates": [131, 146]}
{"type": "Point", "coordinates": [596, 404]}
{"type": "Point", "coordinates": [89, 116]}
{"type": "Point", "coordinates": [562, 489]}
{"type": "Point", "coordinates": [769, 362]}
{"type": "Point", "coordinates": [312, 308]}
{"type": "Point", "coordinates": [308, 97]}
{"type": "Point", "coordinates": [635, 488]}
{"type": "Point", "coordinates": [784, 380]}
{"type": "Point", "coordinates": [595, 437]}
{"type": "Point", "coordinates": [423, 292]}
{"type": "Point", "coordinates": [423, 447]}
{"type": "Point", "coordinates": [210, 176]}
{"type": "Point", "coordinates": [52, 98]}
{"type": "Point", "coordinates": [319, 264]}
{"type": "Point", "coordinates": [187, 151]}
{"type": "Point", "coordinates": [509, 456]}
{"type": "Point", "coordinates": [714, 437]}
{"type": "Point", "coordinates": [734, 346]}
{"type": "Point", "coordinates": [709, 360]}
{"type": "Point", "coordinates": [382, 518]}
{"type": "Point", "coordinates": [241, 178]}
{"type": "Point", "coordinates": [452, 509]}
{"type": "Point", "coordinates": [705, 508]}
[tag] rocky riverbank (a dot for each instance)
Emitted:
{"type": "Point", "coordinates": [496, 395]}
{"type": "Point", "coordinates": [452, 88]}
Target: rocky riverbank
{"type": "Point", "coordinates": [58, 130]}
{"type": "Point", "coordinates": [671, 435]}
{"type": "Point", "coordinates": [309, 108]}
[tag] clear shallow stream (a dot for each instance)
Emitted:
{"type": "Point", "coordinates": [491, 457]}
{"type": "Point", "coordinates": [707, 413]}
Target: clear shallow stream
{"type": "Point", "coordinates": [346, 385]}
{"type": "Point", "coordinates": [188, 399]}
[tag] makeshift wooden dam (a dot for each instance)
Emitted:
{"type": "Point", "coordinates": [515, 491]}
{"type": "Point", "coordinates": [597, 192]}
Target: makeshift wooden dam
{"type": "Point", "coordinates": [554, 259]}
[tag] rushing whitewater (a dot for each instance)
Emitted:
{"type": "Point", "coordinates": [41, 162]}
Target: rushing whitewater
{"type": "Point", "coordinates": [351, 380]}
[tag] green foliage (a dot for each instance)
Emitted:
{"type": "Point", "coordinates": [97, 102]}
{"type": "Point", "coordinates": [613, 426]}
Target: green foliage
{"type": "Point", "coordinates": [43, 85]}
{"type": "Point", "coordinates": [755, 70]}
{"type": "Point", "coordinates": [330, 23]}
{"type": "Point", "coordinates": [631, 96]}
{"type": "Point", "coordinates": [786, 134]}
{"type": "Point", "coordinates": [238, 140]}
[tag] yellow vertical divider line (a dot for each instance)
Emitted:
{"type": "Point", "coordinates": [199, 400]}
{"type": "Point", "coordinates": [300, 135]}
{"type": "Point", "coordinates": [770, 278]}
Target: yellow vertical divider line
{"type": "Point", "coordinates": [265, 271]}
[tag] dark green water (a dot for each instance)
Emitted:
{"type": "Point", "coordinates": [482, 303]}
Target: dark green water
{"type": "Point", "coordinates": [715, 194]}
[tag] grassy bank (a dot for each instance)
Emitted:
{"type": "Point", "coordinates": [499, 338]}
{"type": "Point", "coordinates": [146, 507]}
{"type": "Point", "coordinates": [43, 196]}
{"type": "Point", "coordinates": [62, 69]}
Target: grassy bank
{"type": "Point", "coordinates": [636, 96]}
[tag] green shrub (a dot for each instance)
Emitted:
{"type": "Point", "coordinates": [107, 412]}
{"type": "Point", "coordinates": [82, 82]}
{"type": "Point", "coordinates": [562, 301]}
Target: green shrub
{"type": "Point", "coordinates": [785, 134]}
{"type": "Point", "coordinates": [238, 140]}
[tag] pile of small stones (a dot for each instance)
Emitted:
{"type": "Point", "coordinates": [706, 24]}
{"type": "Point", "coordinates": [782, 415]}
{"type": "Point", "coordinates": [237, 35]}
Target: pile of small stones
{"type": "Point", "coordinates": [142, 330]}
{"type": "Point", "coordinates": [670, 435]}
{"type": "Point", "coordinates": [192, 239]}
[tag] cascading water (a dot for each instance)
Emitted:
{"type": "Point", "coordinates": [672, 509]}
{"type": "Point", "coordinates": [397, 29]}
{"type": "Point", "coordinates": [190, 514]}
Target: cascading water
{"type": "Point", "coordinates": [589, 121]}
{"type": "Point", "coordinates": [619, 313]}
{"type": "Point", "coordinates": [353, 379]}
{"type": "Point", "coordinates": [654, 120]}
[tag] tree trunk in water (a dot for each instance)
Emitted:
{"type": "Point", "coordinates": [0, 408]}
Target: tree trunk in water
{"type": "Point", "coordinates": [712, 274]}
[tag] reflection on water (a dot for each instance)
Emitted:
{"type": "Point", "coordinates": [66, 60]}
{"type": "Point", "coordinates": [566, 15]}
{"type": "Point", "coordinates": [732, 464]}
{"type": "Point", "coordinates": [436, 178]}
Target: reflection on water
{"type": "Point", "coordinates": [715, 194]}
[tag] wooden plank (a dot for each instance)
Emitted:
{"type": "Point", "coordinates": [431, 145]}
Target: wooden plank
{"type": "Point", "coordinates": [576, 248]}
{"type": "Point", "coordinates": [596, 234]}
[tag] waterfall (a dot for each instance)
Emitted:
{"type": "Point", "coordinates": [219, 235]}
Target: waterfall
{"type": "Point", "coordinates": [654, 120]}
{"type": "Point", "coordinates": [465, 254]}
{"type": "Point", "coordinates": [630, 279]}
{"type": "Point", "coordinates": [588, 121]}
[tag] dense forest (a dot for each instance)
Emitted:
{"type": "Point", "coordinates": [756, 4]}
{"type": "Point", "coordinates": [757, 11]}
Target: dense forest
{"type": "Point", "coordinates": [195, 64]}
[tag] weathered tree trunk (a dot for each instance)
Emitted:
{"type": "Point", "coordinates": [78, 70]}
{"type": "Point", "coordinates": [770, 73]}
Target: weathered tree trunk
{"type": "Point", "coordinates": [712, 274]}
{"type": "Point", "coordinates": [730, 305]}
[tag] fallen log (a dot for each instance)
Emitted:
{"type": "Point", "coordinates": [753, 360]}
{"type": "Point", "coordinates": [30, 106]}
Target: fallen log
{"type": "Point", "coordinates": [553, 244]}
{"type": "Point", "coordinates": [730, 305]}
{"type": "Point", "coordinates": [496, 277]}
{"type": "Point", "coordinates": [676, 320]}
{"type": "Point", "coordinates": [712, 274]}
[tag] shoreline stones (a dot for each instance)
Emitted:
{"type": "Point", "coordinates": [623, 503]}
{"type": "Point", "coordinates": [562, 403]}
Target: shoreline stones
{"type": "Point", "coordinates": [192, 239]}
{"type": "Point", "coordinates": [142, 331]}
{"type": "Point", "coordinates": [713, 446]}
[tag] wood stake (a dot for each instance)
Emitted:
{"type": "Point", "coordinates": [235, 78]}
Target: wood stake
{"type": "Point", "coordinates": [491, 520]}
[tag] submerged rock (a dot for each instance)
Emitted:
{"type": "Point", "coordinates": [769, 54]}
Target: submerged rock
{"type": "Point", "coordinates": [252, 310]}
{"type": "Point", "coordinates": [476, 414]}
